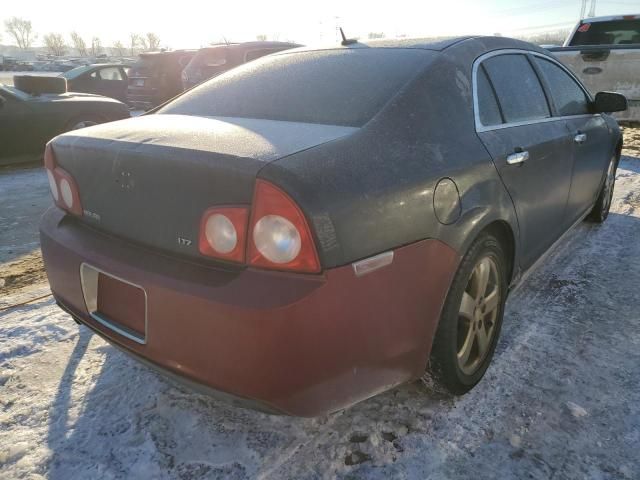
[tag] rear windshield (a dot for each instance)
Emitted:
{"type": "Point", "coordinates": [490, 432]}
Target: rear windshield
{"type": "Point", "coordinates": [617, 32]}
{"type": "Point", "coordinates": [147, 64]}
{"type": "Point", "coordinates": [333, 87]}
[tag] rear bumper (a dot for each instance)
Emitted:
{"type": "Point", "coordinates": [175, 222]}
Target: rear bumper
{"type": "Point", "coordinates": [296, 344]}
{"type": "Point", "coordinates": [143, 97]}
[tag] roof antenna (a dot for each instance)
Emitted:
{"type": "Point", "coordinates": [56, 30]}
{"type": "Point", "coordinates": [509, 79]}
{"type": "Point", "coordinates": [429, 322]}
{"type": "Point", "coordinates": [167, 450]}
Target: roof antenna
{"type": "Point", "coordinates": [346, 41]}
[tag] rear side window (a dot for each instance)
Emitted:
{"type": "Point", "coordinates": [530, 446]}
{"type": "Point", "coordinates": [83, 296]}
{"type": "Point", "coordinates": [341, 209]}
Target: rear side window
{"type": "Point", "coordinates": [518, 89]}
{"type": "Point", "coordinates": [332, 87]}
{"type": "Point", "coordinates": [616, 32]}
{"type": "Point", "coordinates": [567, 95]}
{"type": "Point", "coordinates": [111, 73]}
{"type": "Point", "coordinates": [487, 103]}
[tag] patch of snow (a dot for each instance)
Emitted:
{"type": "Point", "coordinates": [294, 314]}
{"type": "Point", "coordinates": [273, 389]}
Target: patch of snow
{"type": "Point", "coordinates": [576, 410]}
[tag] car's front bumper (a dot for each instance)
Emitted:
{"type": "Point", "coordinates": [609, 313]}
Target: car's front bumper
{"type": "Point", "coordinates": [296, 344]}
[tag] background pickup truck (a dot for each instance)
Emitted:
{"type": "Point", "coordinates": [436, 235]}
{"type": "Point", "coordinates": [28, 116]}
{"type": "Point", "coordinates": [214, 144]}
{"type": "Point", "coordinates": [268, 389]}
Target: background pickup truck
{"type": "Point", "coordinates": [604, 52]}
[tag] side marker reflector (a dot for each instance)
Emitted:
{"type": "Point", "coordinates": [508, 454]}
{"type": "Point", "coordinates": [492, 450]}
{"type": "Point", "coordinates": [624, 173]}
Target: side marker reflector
{"type": "Point", "coordinates": [372, 264]}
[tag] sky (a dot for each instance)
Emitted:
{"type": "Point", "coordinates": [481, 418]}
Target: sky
{"type": "Point", "coordinates": [196, 23]}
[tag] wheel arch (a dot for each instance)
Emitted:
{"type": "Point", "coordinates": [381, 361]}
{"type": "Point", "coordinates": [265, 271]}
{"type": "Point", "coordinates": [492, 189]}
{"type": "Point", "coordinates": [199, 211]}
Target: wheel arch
{"type": "Point", "coordinates": [505, 230]}
{"type": "Point", "coordinates": [505, 235]}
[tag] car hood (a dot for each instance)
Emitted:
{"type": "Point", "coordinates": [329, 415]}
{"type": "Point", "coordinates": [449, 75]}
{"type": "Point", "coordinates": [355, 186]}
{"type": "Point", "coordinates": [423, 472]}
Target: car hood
{"type": "Point", "coordinates": [71, 97]}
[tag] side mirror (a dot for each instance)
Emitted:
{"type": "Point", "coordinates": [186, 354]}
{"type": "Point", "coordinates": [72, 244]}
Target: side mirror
{"type": "Point", "coordinates": [607, 102]}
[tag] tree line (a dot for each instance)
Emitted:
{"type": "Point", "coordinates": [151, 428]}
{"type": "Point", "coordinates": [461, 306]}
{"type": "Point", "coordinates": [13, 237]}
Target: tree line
{"type": "Point", "coordinates": [57, 44]}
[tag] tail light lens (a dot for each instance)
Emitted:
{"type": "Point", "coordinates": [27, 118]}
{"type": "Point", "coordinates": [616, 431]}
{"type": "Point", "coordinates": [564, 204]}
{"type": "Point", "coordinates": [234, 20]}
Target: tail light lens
{"type": "Point", "coordinates": [223, 233]}
{"type": "Point", "coordinates": [63, 187]}
{"type": "Point", "coordinates": [276, 236]}
{"type": "Point", "coordinates": [279, 237]}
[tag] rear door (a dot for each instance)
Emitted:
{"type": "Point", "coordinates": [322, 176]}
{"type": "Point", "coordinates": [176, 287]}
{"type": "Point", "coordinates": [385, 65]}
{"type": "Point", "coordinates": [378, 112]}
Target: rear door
{"type": "Point", "coordinates": [531, 149]}
{"type": "Point", "coordinates": [589, 135]}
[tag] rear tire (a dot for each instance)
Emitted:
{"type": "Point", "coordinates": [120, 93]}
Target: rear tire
{"type": "Point", "coordinates": [602, 206]}
{"type": "Point", "coordinates": [471, 318]}
{"type": "Point", "coordinates": [82, 121]}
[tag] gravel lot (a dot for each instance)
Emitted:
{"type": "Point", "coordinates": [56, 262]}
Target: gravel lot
{"type": "Point", "coordinates": [561, 399]}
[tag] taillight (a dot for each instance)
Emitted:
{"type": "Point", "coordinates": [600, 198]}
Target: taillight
{"type": "Point", "coordinates": [276, 235]}
{"type": "Point", "coordinates": [223, 233]}
{"type": "Point", "coordinates": [63, 187]}
{"type": "Point", "coordinates": [279, 237]}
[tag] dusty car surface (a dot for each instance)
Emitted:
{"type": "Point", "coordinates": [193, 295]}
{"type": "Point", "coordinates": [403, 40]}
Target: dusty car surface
{"type": "Point", "coordinates": [109, 80]}
{"type": "Point", "coordinates": [212, 61]}
{"type": "Point", "coordinates": [37, 109]}
{"type": "Point", "coordinates": [156, 77]}
{"type": "Point", "coordinates": [604, 53]}
{"type": "Point", "coordinates": [318, 226]}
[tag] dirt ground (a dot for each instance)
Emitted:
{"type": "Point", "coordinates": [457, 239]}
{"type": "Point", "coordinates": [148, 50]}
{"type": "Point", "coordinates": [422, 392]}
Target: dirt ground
{"type": "Point", "coordinates": [561, 399]}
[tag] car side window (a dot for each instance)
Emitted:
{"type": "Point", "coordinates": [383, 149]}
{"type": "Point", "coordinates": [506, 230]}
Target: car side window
{"type": "Point", "coordinates": [567, 95]}
{"type": "Point", "coordinates": [110, 73]}
{"type": "Point", "coordinates": [518, 89]}
{"type": "Point", "coordinates": [487, 104]}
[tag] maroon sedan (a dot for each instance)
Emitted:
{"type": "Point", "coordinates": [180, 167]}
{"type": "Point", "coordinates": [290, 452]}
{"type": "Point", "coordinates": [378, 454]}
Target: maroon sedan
{"type": "Point", "coordinates": [318, 226]}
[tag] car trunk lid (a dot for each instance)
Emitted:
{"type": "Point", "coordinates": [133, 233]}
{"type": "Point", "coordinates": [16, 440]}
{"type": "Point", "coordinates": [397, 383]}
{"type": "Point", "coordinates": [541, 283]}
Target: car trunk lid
{"type": "Point", "coordinates": [150, 179]}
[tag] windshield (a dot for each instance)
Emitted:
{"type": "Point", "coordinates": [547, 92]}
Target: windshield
{"type": "Point", "coordinates": [618, 32]}
{"type": "Point", "coordinates": [75, 72]}
{"type": "Point", "coordinates": [7, 89]}
{"type": "Point", "coordinates": [334, 87]}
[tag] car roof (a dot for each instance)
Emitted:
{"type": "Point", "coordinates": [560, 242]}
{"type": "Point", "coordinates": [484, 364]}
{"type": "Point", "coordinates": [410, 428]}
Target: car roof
{"type": "Point", "coordinates": [168, 53]}
{"type": "Point", "coordinates": [611, 18]}
{"type": "Point", "coordinates": [438, 44]}
{"type": "Point", "coordinates": [256, 44]}
{"type": "Point", "coordinates": [428, 43]}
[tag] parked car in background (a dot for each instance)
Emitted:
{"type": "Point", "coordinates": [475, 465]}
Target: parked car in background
{"type": "Point", "coordinates": [214, 60]}
{"type": "Point", "coordinates": [155, 77]}
{"type": "Point", "coordinates": [36, 109]}
{"type": "Point", "coordinates": [318, 226]}
{"type": "Point", "coordinates": [110, 80]}
{"type": "Point", "coordinates": [604, 52]}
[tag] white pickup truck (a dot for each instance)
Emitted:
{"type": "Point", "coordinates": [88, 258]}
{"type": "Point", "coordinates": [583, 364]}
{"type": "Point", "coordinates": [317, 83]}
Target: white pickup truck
{"type": "Point", "coordinates": [604, 52]}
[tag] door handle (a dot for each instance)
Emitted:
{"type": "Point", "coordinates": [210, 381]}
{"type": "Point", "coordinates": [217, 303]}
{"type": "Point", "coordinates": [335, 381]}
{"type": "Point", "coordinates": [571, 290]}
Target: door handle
{"type": "Point", "coordinates": [580, 138]}
{"type": "Point", "coordinates": [518, 158]}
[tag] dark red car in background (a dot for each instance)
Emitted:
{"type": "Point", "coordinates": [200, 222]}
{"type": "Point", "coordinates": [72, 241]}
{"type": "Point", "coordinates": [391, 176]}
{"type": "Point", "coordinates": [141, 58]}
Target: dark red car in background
{"type": "Point", "coordinates": [217, 59]}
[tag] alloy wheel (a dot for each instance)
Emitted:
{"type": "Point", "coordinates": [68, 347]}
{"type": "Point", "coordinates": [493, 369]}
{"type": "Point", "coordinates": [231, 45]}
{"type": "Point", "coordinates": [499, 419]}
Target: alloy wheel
{"type": "Point", "coordinates": [478, 314]}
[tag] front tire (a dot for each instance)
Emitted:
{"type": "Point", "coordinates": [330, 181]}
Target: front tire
{"type": "Point", "coordinates": [602, 206]}
{"type": "Point", "coordinates": [471, 318]}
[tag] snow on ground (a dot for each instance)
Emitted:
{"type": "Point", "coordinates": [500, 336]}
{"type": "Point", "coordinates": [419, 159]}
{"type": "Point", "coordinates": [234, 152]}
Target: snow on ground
{"type": "Point", "coordinates": [561, 399]}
